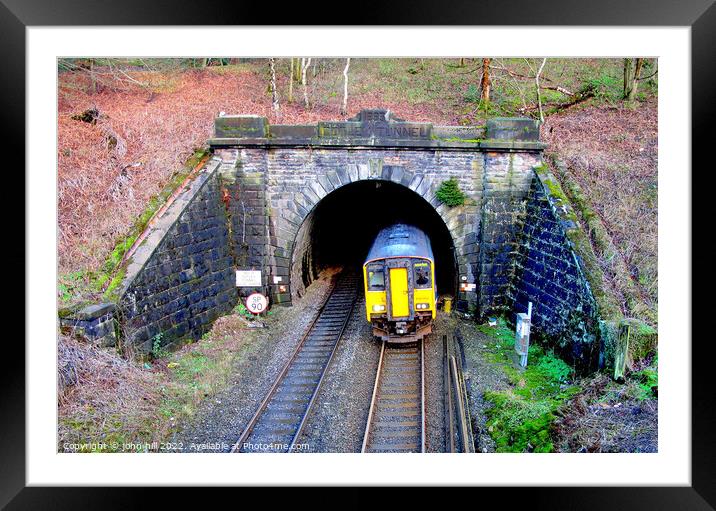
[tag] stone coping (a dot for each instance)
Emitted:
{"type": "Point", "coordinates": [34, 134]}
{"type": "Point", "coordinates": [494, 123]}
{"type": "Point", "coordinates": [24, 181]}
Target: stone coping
{"type": "Point", "coordinates": [87, 312]}
{"type": "Point", "coordinates": [485, 145]}
{"type": "Point", "coordinates": [377, 128]}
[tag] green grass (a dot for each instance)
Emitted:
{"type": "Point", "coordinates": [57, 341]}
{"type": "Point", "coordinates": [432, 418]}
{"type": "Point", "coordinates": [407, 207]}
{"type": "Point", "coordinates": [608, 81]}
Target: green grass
{"type": "Point", "coordinates": [521, 416]}
{"type": "Point", "coordinates": [201, 370]}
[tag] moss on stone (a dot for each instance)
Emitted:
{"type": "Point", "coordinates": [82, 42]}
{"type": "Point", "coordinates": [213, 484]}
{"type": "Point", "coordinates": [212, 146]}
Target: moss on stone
{"type": "Point", "coordinates": [458, 139]}
{"type": "Point", "coordinates": [643, 338]}
{"type": "Point", "coordinates": [607, 306]}
{"type": "Point", "coordinates": [109, 270]}
{"type": "Point", "coordinates": [65, 312]}
{"type": "Point", "coordinates": [112, 292]}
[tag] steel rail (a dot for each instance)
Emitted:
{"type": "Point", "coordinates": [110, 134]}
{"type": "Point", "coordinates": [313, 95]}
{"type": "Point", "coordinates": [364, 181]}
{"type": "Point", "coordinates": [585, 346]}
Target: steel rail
{"type": "Point", "coordinates": [422, 396]}
{"type": "Point", "coordinates": [399, 369]}
{"type": "Point", "coordinates": [287, 366]}
{"type": "Point", "coordinates": [323, 374]}
{"type": "Point", "coordinates": [373, 399]}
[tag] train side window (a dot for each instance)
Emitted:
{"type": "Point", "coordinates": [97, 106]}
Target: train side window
{"type": "Point", "coordinates": [376, 279]}
{"type": "Point", "coordinates": [421, 272]}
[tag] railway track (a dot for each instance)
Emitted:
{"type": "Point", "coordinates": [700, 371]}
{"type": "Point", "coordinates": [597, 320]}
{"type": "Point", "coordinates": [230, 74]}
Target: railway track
{"type": "Point", "coordinates": [396, 420]}
{"type": "Point", "coordinates": [459, 437]}
{"type": "Point", "coordinates": [279, 420]}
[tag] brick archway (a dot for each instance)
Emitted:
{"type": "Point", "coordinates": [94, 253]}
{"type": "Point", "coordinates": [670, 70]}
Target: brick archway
{"type": "Point", "coordinates": [304, 263]}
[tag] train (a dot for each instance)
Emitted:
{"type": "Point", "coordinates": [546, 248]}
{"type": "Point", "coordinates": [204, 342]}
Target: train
{"type": "Point", "coordinates": [399, 284]}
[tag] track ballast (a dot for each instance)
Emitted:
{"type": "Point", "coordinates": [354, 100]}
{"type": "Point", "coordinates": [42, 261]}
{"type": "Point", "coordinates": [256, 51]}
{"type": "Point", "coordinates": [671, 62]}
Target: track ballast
{"type": "Point", "coordinates": [279, 420]}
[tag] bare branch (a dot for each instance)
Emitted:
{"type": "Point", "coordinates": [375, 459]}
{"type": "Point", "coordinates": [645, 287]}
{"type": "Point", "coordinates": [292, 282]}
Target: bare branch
{"type": "Point", "coordinates": [304, 67]}
{"type": "Point", "coordinates": [344, 108]}
{"type": "Point", "coordinates": [539, 97]}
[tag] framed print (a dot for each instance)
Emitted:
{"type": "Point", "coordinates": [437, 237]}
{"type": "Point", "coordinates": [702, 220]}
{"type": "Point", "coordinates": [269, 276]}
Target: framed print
{"type": "Point", "coordinates": [300, 245]}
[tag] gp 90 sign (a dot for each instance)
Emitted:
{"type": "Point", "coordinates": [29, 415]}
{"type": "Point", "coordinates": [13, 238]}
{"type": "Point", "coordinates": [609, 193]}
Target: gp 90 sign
{"type": "Point", "coordinates": [256, 303]}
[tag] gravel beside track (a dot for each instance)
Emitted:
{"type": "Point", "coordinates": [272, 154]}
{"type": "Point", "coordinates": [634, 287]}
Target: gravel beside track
{"type": "Point", "coordinates": [219, 422]}
{"type": "Point", "coordinates": [434, 390]}
{"type": "Point", "coordinates": [480, 375]}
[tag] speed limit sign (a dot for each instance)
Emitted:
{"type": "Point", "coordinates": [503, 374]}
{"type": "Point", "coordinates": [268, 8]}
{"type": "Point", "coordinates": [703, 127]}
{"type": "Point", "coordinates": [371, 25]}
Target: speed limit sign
{"type": "Point", "coordinates": [256, 303]}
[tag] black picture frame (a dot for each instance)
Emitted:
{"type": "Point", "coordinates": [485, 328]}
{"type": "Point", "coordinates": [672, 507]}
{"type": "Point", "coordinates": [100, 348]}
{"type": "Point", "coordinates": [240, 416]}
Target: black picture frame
{"type": "Point", "coordinates": [700, 15]}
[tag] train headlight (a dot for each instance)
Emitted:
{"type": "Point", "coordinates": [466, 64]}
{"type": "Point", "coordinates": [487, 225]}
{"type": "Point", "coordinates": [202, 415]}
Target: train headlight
{"type": "Point", "coordinates": [422, 306]}
{"type": "Point", "coordinates": [378, 308]}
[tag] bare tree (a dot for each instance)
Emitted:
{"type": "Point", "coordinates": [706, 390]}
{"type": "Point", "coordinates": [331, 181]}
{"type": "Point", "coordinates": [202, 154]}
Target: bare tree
{"type": "Point", "coordinates": [632, 70]}
{"type": "Point", "coordinates": [290, 83]}
{"type": "Point", "coordinates": [304, 67]}
{"type": "Point", "coordinates": [344, 108]}
{"type": "Point", "coordinates": [297, 71]}
{"type": "Point", "coordinates": [274, 92]}
{"type": "Point", "coordinates": [539, 96]}
{"type": "Point", "coordinates": [485, 81]}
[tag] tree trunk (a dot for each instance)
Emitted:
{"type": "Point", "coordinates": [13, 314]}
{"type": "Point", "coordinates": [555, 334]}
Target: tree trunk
{"type": "Point", "coordinates": [628, 76]}
{"type": "Point", "coordinates": [290, 83]}
{"type": "Point", "coordinates": [274, 92]}
{"type": "Point", "coordinates": [92, 77]}
{"type": "Point", "coordinates": [297, 71]}
{"type": "Point", "coordinates": [632, 70]}
{"type": "Point", "coordinates": [485, 82]}
{"type": "Point", "coordinates": [344, 108]}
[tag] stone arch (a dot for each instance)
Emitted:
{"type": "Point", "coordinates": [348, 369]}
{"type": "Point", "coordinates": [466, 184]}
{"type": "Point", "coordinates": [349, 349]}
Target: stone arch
{"type": "Point", "coordinates": [292, 225]}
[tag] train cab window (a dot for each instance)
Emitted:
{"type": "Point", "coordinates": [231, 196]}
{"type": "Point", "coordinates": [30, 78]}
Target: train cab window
{"type": "Point", "coordinates": [421, 273]}
{"type": "Point", "coordinates": [376, 279]}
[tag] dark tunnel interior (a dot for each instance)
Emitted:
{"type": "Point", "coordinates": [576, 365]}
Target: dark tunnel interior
{"type": "Point", "coordinates": [342, 227]}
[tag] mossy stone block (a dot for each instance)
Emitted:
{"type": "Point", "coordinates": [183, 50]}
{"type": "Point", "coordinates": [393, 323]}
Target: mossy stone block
{"type": "Point", "coordinates": [513, 128]}
{"type": "Point", "coordinates": [241, 126]}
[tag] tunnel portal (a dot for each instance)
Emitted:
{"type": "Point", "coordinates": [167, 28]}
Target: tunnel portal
{"type": "Point", "coordinates": [275, 204]}
{"type": "Point", "coordinates": [339, 231]}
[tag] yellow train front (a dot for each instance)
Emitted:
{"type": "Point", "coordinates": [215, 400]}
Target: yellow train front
{"type": "Point", "coordinates": [399, 276]}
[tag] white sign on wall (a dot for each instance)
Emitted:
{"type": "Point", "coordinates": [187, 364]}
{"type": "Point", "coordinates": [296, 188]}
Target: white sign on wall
{"type": "Point", "coordinates": [248, 278]}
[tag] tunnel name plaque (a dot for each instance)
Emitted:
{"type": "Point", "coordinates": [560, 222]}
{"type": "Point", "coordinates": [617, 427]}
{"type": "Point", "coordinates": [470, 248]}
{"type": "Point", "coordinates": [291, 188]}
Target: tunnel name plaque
{"type": "Point", "coordinates": [375, 123]}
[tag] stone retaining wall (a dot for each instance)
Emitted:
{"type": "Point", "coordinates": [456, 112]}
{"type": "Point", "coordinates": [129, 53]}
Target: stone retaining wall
{"type": "Point", "coordinates": [549, 273]}
{"type": "Point", "coordinates": [182, 278]}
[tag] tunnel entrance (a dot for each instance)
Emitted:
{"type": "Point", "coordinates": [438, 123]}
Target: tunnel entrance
{"type": "Point", "coordinates": [341, 228]}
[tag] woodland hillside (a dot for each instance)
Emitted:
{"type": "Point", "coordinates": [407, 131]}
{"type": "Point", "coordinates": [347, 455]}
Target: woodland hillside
{"type": "Point", "coordinates": [126, 128]}
{"type": "Point", "coordinates": [130, 131]}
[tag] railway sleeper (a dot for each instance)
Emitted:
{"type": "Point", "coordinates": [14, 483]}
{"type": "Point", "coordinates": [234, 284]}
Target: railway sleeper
{"type": "Point", "coordinates": [390, 397]}
{"type": "Point", "coordinates": [288, 399]}
{"type": "Point", "coordinates": [287, 408]}
{"type": "Point", "coordinates": [394, 447]}
{"type": "Point", "coordinates": [395, 414]}
{"type": "Point", "coordinates": [384, 433]}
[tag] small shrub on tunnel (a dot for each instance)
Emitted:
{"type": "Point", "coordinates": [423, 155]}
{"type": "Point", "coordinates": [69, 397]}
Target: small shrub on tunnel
{"type": "Point", "coordinates": [449, 193]}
